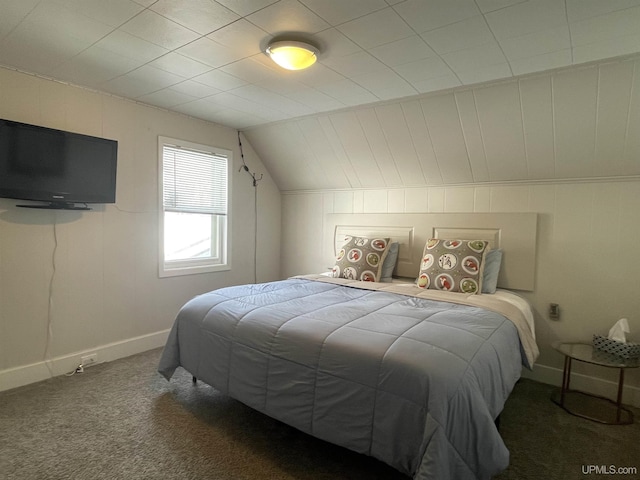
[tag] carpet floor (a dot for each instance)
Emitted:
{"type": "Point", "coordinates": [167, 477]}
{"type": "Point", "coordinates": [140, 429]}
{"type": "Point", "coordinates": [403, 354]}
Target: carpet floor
{"type": "Point", "coordinates": [122, 420]}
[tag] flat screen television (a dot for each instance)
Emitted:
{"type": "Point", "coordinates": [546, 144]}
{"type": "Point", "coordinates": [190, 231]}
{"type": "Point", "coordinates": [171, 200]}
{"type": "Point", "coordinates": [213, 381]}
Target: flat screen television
{"type": "Point", "coordinates": [60, 168]}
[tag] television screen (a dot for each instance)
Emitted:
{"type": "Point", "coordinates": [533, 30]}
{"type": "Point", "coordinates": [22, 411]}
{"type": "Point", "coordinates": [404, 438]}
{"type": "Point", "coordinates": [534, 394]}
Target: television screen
{"type": "Point", "coordinates": [62, 168]}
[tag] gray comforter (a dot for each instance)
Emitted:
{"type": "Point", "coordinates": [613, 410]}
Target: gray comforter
{"type": "Point", "coordinates": [415, 383]}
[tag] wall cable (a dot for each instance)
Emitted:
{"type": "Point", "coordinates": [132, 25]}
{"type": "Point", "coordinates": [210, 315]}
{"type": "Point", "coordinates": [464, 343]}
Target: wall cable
{"type": "Point", "coordinates": [49, 339]}
{"type": "Point", "coordinates": [255, 181]}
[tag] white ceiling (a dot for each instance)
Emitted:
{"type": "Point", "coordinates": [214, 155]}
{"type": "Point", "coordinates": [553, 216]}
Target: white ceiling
{"type": "Point", "coordinates": [204, 58]}
{"type": "Point", "coordinates": [574, 123]}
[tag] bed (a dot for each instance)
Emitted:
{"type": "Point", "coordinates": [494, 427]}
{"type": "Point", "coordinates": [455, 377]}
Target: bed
{"type": "Point", "coordinates": [411, 376]}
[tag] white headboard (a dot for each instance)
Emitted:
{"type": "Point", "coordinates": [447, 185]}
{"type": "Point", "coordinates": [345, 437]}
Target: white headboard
{"type": "Point", "coordinates": [514, 233]}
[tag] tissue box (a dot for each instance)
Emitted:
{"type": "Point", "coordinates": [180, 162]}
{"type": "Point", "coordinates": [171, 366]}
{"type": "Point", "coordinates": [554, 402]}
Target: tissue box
{"type": "Point", "coordinates": [622, 350]}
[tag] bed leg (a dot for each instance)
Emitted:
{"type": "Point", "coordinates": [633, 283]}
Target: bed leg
{"type": "Point", "coordinates": [194, 379]}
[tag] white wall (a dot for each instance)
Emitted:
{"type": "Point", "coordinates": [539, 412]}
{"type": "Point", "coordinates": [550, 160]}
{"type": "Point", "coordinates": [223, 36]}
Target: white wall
{"type": "Point", "coordinates": [92, 276]}
{"type": "Point", "coordinates": [588, 257]}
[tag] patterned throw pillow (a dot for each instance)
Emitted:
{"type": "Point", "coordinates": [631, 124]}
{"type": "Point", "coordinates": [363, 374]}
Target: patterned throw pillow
{"type": "Point", "coordinates": [452, 265]}
{"type": "Point", "coordinates": [361, 258]}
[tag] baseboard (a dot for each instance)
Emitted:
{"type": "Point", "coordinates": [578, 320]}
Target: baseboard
{"type": "Point", "coordinates": [594, 385]}
{"type": "Point", "coordinates": [36, 372]}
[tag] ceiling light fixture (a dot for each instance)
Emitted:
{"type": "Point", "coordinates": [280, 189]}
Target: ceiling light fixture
{"type": "Point", "coordinates": [293, 55]}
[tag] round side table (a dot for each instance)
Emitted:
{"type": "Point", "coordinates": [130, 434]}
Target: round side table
{"type": "Point", "coordinates": [586, 405]}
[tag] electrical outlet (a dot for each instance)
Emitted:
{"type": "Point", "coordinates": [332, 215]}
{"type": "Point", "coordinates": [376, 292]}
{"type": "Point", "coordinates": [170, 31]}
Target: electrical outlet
{"type": "Point", "coordinates": [554, 311]}
{"type": "Point", "coordinates": [88, 360]}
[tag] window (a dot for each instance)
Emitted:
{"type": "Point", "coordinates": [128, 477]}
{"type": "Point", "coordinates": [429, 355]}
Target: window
{"type": "Point", "coordinates": [194, 216]}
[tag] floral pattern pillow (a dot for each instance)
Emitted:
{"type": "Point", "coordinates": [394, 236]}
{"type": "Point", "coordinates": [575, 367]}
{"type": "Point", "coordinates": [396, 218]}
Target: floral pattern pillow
{"type": "Point", "coordinates": [361, 258]}
{"type": "Point", "coordinates": [453, 265]}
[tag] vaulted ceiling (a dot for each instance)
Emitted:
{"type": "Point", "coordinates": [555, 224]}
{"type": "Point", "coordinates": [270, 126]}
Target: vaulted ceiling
{"type": "Point", "coordinates": [579, 123]}
{"type": "Point", "coordinates": [369, 97]}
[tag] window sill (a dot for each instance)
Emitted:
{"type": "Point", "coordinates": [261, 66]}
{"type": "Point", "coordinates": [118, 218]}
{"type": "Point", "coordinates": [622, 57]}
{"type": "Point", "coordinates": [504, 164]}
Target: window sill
{"type": "Point", "coordinates": [195, 270]}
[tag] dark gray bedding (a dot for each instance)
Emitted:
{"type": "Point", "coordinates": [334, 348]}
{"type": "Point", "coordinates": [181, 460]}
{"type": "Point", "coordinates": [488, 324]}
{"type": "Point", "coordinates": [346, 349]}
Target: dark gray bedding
{"type": "Point", "coordinates": [415, 383]}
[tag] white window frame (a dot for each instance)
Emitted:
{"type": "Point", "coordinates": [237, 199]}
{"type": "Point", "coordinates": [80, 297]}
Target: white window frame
{"type": "Point", "coordinates": [221, 262]}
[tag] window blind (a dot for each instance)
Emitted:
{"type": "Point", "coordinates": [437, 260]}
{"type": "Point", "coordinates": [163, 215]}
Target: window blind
{"type": "Point", "coordinates": [194, 181]}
